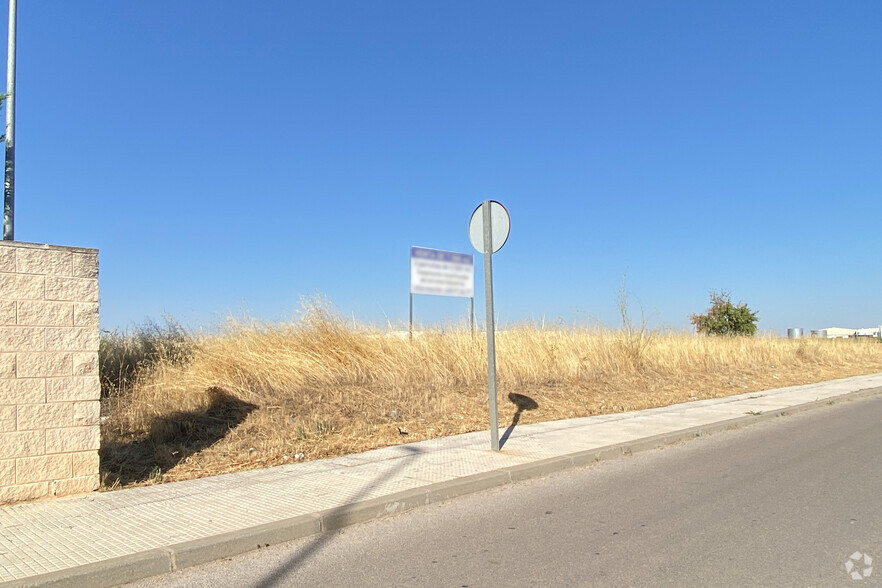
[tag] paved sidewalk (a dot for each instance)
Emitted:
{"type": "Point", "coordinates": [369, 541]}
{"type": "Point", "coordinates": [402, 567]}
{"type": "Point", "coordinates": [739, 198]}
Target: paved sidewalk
{"type": "Point", "coordinates": [107, 539]}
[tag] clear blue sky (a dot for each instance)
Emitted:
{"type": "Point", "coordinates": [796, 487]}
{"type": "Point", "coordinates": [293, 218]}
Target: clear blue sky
{"type": "Point", "coordinates": [230, 157]}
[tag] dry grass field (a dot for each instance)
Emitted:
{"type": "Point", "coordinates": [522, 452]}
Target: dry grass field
{"type": "Point", "coordinates": [179, 406]}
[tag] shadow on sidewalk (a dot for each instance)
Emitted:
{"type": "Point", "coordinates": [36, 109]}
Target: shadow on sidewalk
{"type": "Point", "coordinates": [523, 403]}
{"type": "Point", "coordinates": [172, 439]}
{"type": "Point", "coordinates": [281, 575]}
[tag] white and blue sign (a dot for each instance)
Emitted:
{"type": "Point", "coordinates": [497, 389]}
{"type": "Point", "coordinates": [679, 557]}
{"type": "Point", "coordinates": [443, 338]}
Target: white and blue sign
{"type": "Point", "coordinates": [442, 273]}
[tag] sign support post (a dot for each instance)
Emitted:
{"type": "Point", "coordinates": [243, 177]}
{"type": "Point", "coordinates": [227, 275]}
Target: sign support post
{"type": "Point", "coordinates": [491, 326]}
{"type": "Point", "coordinates": [488, 232]}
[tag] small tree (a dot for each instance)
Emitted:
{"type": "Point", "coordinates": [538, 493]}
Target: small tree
{"type": "Point", "coordinates": [725, 318]}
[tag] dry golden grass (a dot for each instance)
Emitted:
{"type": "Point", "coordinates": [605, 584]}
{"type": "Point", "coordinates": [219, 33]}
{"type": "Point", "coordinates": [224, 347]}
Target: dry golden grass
{"type": "Point", "coordinates": [257, 395]}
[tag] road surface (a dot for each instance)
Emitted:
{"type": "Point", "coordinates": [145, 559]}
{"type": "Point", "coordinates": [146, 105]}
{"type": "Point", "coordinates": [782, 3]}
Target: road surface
{"type": "Point", "coordinates": [786, 502]}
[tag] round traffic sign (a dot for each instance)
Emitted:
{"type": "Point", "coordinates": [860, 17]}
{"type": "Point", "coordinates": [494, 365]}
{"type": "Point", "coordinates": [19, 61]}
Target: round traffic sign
{"type": "Point", "coordinates": [500, 225]}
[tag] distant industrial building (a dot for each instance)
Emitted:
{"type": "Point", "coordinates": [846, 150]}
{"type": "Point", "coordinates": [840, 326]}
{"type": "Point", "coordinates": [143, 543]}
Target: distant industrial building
{"type": "Point", "coordinates": [842, 333]}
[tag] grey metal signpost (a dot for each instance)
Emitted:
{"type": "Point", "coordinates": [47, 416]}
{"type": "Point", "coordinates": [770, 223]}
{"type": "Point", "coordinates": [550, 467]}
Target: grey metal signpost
{"type": "Point", "coordinates": [488, 232]}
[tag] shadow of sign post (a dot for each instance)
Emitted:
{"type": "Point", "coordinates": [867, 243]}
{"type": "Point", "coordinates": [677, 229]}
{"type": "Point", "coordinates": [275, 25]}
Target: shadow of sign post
{"type": "Point", "coordinates": [522, 403]}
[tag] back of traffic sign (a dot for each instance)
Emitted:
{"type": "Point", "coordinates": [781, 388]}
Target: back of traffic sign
{"type": "Point", "coordinates": [500, 225]}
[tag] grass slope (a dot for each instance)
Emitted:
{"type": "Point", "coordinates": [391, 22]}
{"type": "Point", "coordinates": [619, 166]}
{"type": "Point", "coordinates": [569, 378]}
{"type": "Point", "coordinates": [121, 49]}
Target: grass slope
{"type": "Point", "coordinates": [179, 406]}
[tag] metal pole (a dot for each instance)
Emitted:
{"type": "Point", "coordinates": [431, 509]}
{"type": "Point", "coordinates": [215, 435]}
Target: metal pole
{"type": "Point", "coordinates": [491, 327]}
{"type": "Point", "coordinates": [410, 330]}
{"type": "Point", "coordinates": [472, 315]}
{"type": "Point", "coordinates": [9, 178]}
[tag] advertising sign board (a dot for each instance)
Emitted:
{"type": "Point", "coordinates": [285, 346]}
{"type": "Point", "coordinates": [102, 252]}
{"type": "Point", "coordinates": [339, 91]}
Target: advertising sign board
{"type": "Point", "coordinates": [442, 273]}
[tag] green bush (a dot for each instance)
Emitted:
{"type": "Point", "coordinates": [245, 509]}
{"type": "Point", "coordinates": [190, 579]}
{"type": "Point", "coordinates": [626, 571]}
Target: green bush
{"type": "Point", "coordinates": [725, 318]}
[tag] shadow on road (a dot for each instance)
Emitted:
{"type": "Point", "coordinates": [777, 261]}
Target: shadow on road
{"type": "Point", "coordinates": [280, 576]}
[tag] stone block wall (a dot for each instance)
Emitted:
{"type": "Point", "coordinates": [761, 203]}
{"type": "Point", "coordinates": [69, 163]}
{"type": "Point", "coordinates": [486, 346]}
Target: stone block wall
{"type": "Point", "coordinates": [49, 387]}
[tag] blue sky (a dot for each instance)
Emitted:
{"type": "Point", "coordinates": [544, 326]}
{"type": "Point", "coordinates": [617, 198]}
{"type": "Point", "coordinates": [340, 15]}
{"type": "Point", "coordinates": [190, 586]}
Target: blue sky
{"type": "Point", "coordinates": [230, 158]}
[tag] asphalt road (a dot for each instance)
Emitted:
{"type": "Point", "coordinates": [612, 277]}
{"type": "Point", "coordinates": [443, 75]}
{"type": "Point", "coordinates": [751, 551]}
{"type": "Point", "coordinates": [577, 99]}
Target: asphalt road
{"type": "Point", "coordinates": [781, 503]}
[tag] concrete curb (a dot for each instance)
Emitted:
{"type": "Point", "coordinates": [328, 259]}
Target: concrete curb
{"type": "Point", "coordinates": [129, 568]}
{"type": "Point", "coordinates": [111, 572]}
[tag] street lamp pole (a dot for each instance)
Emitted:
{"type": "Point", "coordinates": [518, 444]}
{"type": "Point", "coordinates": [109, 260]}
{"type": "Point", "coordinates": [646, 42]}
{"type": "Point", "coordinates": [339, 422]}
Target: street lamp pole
{"type": "Point", "coordinates": [9, 177]}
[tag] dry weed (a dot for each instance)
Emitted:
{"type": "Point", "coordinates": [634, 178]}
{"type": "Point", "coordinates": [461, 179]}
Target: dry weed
{"type": "Point", "coordinates": [256, 395]}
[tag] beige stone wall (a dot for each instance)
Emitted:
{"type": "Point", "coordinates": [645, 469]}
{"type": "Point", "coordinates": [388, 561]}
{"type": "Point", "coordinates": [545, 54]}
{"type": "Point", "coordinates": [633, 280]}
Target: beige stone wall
{"type": "Point", "coordinates": [49, 388]}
